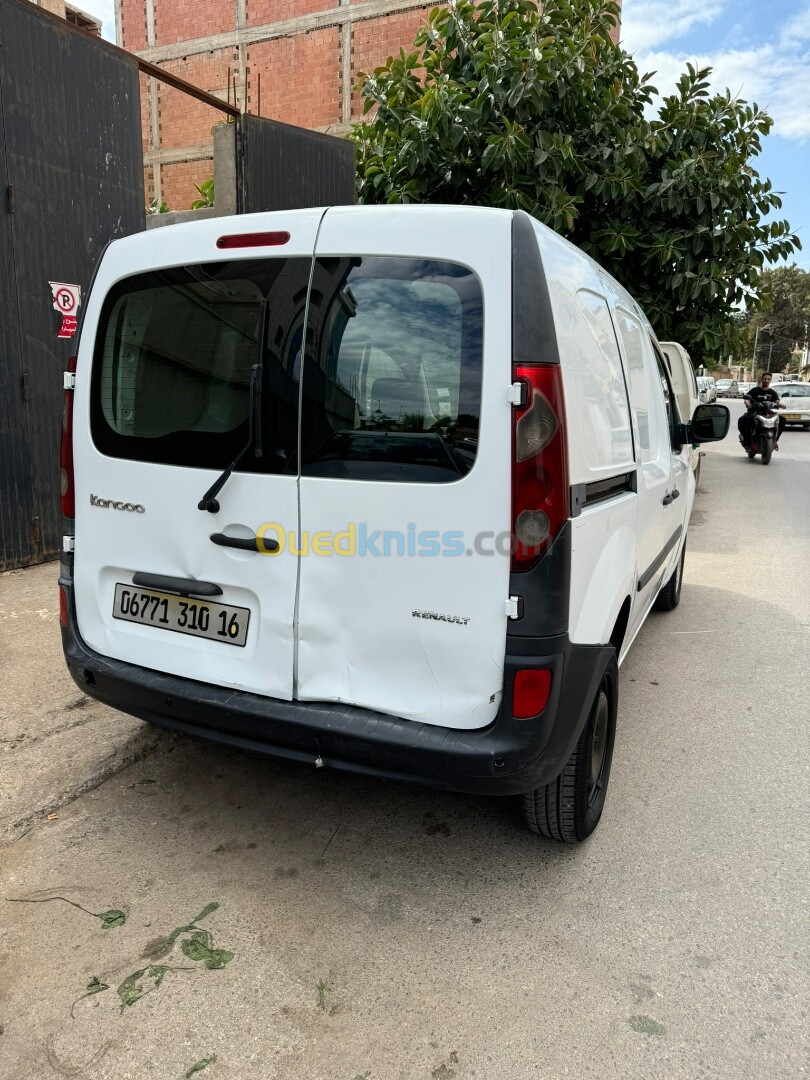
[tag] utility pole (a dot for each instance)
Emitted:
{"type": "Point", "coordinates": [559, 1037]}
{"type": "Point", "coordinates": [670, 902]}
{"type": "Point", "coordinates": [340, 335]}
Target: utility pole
{"type": "Point", "coordinates": [754, 357]}
{"type": "Point", "coordinates": [769, 328]}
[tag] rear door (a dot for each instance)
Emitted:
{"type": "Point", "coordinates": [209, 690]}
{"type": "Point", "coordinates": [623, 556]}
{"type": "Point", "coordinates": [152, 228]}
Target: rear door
{"type": "Point", "coordinates": [405, 473]}
{"type": "Point", "coordinates": [176, 321]}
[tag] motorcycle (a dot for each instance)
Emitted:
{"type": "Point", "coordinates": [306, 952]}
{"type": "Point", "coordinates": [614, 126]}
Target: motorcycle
{"type": "Point", "coordinates": [762, 438]}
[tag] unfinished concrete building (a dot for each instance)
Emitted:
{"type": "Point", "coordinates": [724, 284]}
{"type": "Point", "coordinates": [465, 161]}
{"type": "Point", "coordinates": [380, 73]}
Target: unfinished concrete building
{"type": "Point", "coordinates": [290, 60]}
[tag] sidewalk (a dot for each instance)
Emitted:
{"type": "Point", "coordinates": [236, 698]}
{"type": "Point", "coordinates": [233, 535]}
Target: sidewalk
{"type": "Point", "coordinates": [55, 742]}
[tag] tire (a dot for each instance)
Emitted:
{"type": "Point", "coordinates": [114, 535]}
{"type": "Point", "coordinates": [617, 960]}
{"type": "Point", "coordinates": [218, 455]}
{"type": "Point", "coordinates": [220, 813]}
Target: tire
{"type": "Point", "coordinates": [751, 454]}
{"type": "Point", "coordinates": [670, 596]}
{"type": "Point", "coordinates": [767, 451]}
{"type": "Point", "coordinates": [569, 808]}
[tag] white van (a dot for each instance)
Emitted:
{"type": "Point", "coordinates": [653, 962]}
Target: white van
{"type": "Point", "coordinates": [389, 489]}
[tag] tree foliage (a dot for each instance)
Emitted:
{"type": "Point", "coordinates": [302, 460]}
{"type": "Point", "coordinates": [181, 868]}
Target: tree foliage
{"type": "Point", "coordinates": [503, 104]}
{"type": "Point", "coordinates": [782, 323]}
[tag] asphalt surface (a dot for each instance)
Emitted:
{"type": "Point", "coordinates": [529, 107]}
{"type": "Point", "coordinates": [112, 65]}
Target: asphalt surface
{"type": "Point", "coordinates": [429, 936]}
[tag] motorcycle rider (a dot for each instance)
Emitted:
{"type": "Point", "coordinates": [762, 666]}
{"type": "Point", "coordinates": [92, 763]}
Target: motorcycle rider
{"type": "Point", "coordinates": [762, 391]}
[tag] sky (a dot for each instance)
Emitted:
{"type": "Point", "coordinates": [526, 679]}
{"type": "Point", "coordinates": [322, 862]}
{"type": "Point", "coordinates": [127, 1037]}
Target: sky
{"type": "Point", "coordinates": [759, 49]}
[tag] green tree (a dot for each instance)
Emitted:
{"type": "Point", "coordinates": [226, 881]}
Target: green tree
{"type": "Point", "coordinates": [503, 104]}
{"type": "Point", "coordinates": [782, 323]}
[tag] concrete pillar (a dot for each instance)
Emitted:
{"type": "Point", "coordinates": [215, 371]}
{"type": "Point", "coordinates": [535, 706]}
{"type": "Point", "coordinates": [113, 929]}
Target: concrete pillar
{"type": "Point", "coordinates": [56, 7]}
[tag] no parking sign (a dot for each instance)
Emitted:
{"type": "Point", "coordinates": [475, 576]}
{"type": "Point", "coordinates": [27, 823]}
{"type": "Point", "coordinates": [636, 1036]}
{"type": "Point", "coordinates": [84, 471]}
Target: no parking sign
{"type": "Point", "coordinates": [66, 300]}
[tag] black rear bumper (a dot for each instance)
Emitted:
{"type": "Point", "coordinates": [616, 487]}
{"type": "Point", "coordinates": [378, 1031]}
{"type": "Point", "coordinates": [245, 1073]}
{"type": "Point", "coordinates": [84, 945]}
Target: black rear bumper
{"type": "Point", "coordinates": [507, 757]}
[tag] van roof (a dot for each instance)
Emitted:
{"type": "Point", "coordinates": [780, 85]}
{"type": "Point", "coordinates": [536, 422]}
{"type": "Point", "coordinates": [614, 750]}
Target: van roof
{"type": "Point", "coordinates": [164, 246]}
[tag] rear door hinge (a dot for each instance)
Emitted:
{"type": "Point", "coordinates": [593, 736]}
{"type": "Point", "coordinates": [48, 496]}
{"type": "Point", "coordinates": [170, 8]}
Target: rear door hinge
{"type": "Point", "coordinates": [513, 607]}
{"type": "Point", "coordinates": [68, 544]}
{"type": "Point", "coordinates": [69, 380]}
{"type": "Point", "coordinates": [516, 394]}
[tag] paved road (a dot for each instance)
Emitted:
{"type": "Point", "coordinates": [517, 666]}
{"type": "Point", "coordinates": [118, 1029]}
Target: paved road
{"type": "Point", "coordinates": [433, 938]}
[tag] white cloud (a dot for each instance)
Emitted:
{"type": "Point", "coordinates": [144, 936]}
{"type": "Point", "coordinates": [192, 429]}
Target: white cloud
{"type": "Point", "coordinates": [796, 29]}
{"type": "Point", "coordinates": [774, 72]}
{"type": "Point", "coordinates": [776, 79]}
{"type": "Point", "coordinates": [648, 23]}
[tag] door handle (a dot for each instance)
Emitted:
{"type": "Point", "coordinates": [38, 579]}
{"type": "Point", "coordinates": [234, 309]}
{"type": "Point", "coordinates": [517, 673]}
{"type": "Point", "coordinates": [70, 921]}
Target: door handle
{"type": "Point", "coordinates": [250, 543]}
{"type": "Point", "coordinates": [183, 585]}
{"type": "Point", "coordinates": [671, 496]}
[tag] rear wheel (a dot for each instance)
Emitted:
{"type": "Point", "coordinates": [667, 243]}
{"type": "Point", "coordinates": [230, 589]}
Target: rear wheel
{"type": "Point", "coordinates": [767, 451]}
{"type": "Point", "coordinates": [670, 595]}
{"type": "Point", "coordinates": [568, 809]}
{"type": "Point", "coordinates": [751, 453]}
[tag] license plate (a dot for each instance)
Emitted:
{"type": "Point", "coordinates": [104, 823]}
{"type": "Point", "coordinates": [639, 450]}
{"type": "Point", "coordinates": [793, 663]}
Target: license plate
{"type": "Point", "coordinates": [793, 416]}
{"type": "Point", "coordinates": [182, 614]}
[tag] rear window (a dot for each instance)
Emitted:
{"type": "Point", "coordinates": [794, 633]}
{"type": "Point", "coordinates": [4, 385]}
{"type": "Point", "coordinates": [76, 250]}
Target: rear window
{"type": "Point", "coordinates": [173, 356]}
{"type": "Point", "coordinates": [392, 381]}
{"type": "Point", "coordinates": [793, 390]}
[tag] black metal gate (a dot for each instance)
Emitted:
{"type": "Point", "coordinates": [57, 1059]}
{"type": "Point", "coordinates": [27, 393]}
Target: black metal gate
{"type": "Point", "coordinates": [71, 180]}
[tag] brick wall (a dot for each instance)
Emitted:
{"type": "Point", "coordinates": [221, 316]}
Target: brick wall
{"type": "Point", "coordinates": [377, 39]}
{"type": "Point", "coordinates": [307, 52]}
{"type": "Point", "coordinates": [300, 78]}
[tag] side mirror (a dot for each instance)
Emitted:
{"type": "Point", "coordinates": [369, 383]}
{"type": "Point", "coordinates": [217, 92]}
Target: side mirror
{"type": "Point", "coordinates": [710, 423]}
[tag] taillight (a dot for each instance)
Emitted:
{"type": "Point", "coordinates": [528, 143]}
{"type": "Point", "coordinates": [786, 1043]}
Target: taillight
{"type": "Point", "coordinates": [530, 692]}
{"type": "Point", "coordinates": [63, 606]}
{"type": "Point", "coordinates": [66, 446]}
{"type": "Point", "coordinates": [540, 494]}
{"type": "Point", "coordinates": [254, 239]}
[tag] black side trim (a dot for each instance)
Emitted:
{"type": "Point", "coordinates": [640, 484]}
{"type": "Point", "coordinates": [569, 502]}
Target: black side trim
{"type": "Point", "coordinates": [651, 571]}
{"type": "Point", "coordinates": [583, 495]}
{"type": "Point", "coordinates": [182, 585]}
{"type": "Point", "coordinates": [534, 340]}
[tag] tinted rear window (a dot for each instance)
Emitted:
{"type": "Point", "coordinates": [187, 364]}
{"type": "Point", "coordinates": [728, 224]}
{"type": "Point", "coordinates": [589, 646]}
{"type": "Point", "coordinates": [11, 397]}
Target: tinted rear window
{"type": "Point", "coordinates": [392, 378]}
{"type": "Point", "coordinates": [173, 357]}
{"type": "Point", "coordinates": [392, 382]}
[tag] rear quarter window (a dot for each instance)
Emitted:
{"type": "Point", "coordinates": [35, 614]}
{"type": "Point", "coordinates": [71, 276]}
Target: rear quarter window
{"type": "Point", "coordinates": [603, 419]}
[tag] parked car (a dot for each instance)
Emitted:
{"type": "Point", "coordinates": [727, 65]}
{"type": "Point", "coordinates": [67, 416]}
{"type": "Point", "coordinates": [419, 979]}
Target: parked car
{"type": "Point", "coordinates": [795, 396]}
{"type": "Point", "coordinates": [271, 461]}
{"type": "Point", "coordinates": [727, 388]}
{"type": "Point", "coordinates": [744, 387]}
{"type": "Point", "coordinates": [706, 391]}
{"type": "Point", "coordinates": [684, 385]}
